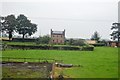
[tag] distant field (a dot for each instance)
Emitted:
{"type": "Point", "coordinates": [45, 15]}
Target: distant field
{"type": "Point", "coordinates": [100, 63]}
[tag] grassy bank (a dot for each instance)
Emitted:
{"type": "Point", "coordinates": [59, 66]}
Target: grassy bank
{"type": "Point", "coordinates": [100, 63]}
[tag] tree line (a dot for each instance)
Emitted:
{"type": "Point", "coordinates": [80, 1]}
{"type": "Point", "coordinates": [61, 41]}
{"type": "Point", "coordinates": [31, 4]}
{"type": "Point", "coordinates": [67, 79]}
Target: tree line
{"type": "Point", "coordinates": [23, 26]}
{"type": "Point", "coordinates": [20, 24]}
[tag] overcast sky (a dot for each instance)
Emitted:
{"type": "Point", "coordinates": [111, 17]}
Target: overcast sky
{"type": "Point", "coordinates": [80, 18]}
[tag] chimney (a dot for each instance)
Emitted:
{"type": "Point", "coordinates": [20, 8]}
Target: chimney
{"type": "Point", "coordinates": [51, 31]}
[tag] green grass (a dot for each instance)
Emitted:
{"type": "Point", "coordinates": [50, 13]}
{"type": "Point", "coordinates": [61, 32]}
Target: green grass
{"type": "Point", "coordinates": [100, 63]}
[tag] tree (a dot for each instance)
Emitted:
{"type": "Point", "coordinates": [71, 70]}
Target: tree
{"type": "Point", "coordinates": [116, 32]}
{"type": "Point", "coordinates": [70, 41]}
{"type": "Point", "coordinates": [95, 36]}
{"type": "Point", "coordinates": [9, 25]}
{"type": "Point", "coordinates": [76, 42]}
{"type": "Point", "coordinates": [79, 42]}
{"type": "Point", "coordinates": [24, 26]}
{"type": "Point", "coordinates": [43, 40]}
{"type": "Point", "coordinates": [1, 19]}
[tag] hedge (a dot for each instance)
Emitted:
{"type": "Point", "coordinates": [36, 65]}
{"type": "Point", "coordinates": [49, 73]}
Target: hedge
{"type": "Point", "coordinates": [20, 39]}
{"type": "Point", "coordinates": [70, 48]}
{"type": "Point", "coordinates": [28, 47]}
{"type": "Point", "coordinates": [98, 44]}
{"type": "Point", "coordinates": [88, 48]}
{"type": "Point", "coordinates": [51, 47]}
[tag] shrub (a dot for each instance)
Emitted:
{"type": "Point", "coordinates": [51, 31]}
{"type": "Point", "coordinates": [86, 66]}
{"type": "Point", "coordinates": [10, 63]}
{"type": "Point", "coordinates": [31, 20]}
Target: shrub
{"type": "Point", "coordinates": [55, 47]}
{"type": "Point", "coordinates": [25, 40]}
{"type": "Point", "coordinates": [99, 44]}
{"type": "Point", "coordinates": [88, 48]}
{"type": "Point", "coordinates": [76, 42]}
{"type": "Point", "coordinates": [70, 48]}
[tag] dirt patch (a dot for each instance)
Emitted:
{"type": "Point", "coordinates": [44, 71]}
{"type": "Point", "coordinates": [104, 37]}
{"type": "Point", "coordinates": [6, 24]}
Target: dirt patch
{"type": "Point", "coordinates": [59, 71]}
{"type": "Point", "coordinates": [26, 70]}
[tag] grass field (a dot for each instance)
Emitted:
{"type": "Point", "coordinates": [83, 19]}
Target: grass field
{"type": "Point", "coordinates": [100, 63]}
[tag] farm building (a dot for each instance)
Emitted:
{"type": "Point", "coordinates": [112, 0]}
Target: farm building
{"type": "Point", "coordinates": [91, 41]}
{"type": "Point", "coordinates": [57, 37]}
{"type": "Point", "coordinates": [113, 43]}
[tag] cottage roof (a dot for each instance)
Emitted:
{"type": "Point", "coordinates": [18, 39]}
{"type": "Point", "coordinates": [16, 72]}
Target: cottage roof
{"type": "Point", "coordinates": [57, 32]}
